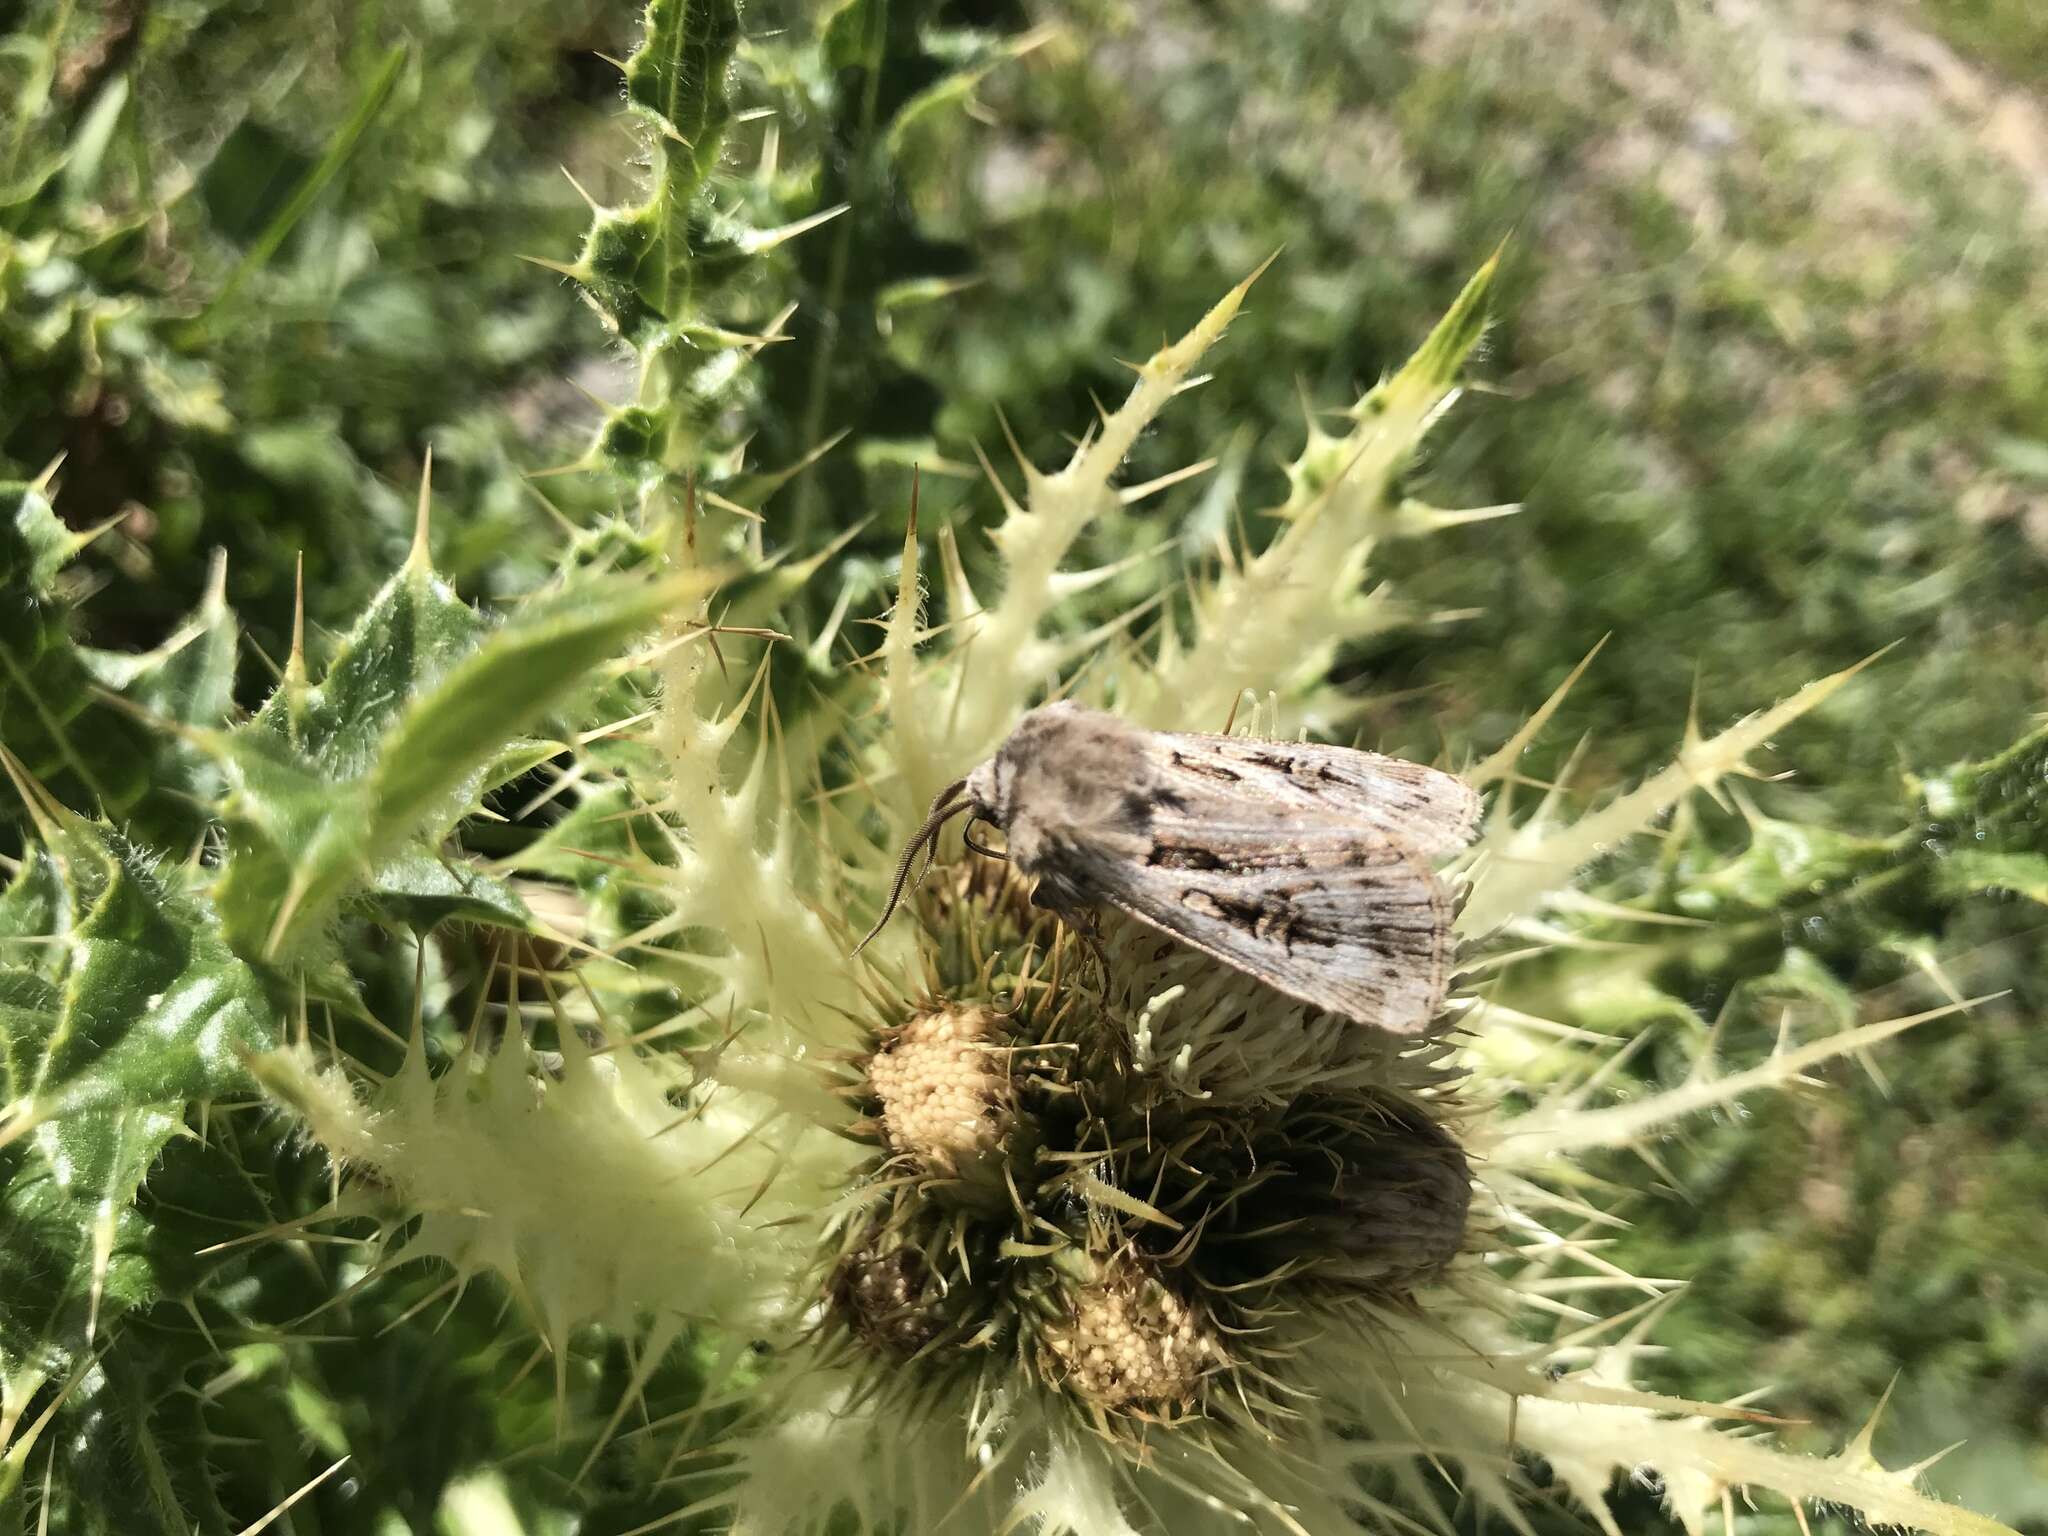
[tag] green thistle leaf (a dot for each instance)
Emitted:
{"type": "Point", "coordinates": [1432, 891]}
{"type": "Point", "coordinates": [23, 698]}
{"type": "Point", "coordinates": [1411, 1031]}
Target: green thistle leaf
{"type": "Point", "coordinates": [432, 763]}
{"type": "Point", "coordinates": [189, 679]}
{"type": "Point", "coordinates": [130, 1008]}
{"type": "Point", "coordinates": [677, 75]}
{"type": "Point", "coordinates": [332, 784]}
{"type": "Point", "coordinates": [85, 751]}
{"type": "Point", "coordinates": [2002, 801]}
{"type": "Point", "coordinates": [639, 264]}
{"type": "Point", "coordinates": [55, 711]}
{"type": "Point", "coordinates": [1972, 872]}
{"type": "Point", "coordinates": [422, 892]}
{"type": "Point", "coordinates": [1436, 364]}
{"type": "Point", "coordinates": [409, 634]}
{"type": "Point", "coordinates": [34, 545]}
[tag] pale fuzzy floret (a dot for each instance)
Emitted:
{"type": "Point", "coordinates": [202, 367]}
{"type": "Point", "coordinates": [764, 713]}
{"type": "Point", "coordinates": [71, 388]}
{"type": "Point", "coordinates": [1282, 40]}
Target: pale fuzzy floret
{"type": "Point", "coordinates": [1214, 1032]}
{"type": "Point", "coordinates": [1130, 1342]}
{"type": "Point", "coordinates": [939, 1088]}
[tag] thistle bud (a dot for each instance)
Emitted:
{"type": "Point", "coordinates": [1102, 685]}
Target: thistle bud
{"type": "Point", "coordinates": [1130, 1344]}
{"type": "Point", "coordinates": [1393, 1215]}
{"type": "Point", "coordinates": [884, 1297]}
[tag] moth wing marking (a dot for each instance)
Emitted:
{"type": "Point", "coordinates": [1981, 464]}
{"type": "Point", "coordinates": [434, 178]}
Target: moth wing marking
{"type": "Point", "coordinates": [1434, 811]}
{"type": "Point", "coordinates": [1356, 925]}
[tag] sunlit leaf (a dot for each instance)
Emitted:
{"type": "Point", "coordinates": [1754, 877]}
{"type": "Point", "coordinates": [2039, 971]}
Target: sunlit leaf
{"type": "Point", "coordinates": [422, 891]}
{"type": "Point", "coordinates": [413, 723]}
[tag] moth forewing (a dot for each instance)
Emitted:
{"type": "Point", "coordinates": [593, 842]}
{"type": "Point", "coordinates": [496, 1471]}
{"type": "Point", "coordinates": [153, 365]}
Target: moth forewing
{"type": "Point", "coordinates": [1433, 811]}
{"type": "Point", "coordinates": [1351, 922]}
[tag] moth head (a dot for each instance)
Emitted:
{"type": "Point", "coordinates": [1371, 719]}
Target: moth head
{"type": "Point", "coordinates": [1062, 733]}
{"type": "Point", "coordinates": [989, 792]}
{"type": "Point", "coordinates": [988, 788]}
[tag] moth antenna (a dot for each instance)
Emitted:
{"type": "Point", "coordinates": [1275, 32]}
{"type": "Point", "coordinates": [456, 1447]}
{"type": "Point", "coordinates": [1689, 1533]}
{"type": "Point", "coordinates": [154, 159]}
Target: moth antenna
{"type": "Point", "coordinates": [948, 805]}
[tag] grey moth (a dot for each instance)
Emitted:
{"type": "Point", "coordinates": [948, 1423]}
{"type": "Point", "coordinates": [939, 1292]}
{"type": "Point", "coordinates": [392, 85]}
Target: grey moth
{"type": "Point", "coordinates": [1309, 867]}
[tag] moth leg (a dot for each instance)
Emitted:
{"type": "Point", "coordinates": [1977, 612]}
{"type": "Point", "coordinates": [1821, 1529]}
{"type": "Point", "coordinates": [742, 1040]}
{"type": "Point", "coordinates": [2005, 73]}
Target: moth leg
{"type": "Point", "coordinates": [1056, 892]}
{"type": "Point", "coordinates": [1085, 923]}
{"type": "Point", "coordinates": [1080, 922]}
{"type": "Point", "coordinates": [1092, 937]}
{"type": "Point", "coordinates": [967, 837]}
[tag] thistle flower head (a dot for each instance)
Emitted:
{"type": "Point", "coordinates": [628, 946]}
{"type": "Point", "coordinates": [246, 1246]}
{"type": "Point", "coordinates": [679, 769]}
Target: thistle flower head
{"type": "Point", "coordinates": [1056, 1209]}
{"type": "Point", "coordinates": [1083, 1231]}
{"type": "Point", "coordinates": [884, 1294]}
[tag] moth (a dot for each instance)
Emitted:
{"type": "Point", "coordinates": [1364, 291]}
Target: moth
{"type": "Point", "coordinates": [1308, 867]}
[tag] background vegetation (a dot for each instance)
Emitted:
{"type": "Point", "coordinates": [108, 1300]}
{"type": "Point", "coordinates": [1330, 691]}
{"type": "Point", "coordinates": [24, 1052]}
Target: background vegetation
{"type": "Point", "coordinates": [1769, 377]}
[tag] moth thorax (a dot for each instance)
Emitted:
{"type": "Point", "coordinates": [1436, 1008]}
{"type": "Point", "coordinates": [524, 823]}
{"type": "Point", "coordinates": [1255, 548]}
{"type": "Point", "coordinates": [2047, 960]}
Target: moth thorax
{"type": "Point", "coordinates": [1130, 1343]}
{"type": "Point", "coordinates": [940, 1086]}
{"type": "Point", "coordinates": [887, 1300]}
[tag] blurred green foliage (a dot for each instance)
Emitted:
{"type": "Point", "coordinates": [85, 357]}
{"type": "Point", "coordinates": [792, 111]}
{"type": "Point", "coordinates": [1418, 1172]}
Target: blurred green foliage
{"type": "Point", "coordinates": [1762, 388]}
{"type": "Point", "coordinates": [139, 975]}
{"type": "Point", "coordinates": [255, 260]}
{"type": "Point", "coordinates": [2009, 35]}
